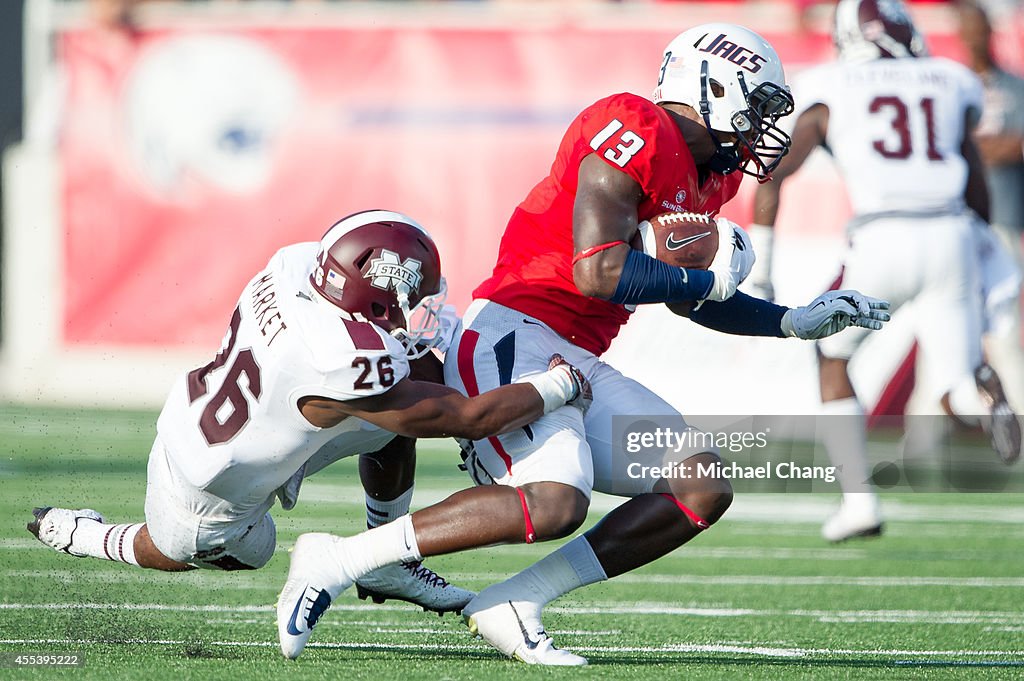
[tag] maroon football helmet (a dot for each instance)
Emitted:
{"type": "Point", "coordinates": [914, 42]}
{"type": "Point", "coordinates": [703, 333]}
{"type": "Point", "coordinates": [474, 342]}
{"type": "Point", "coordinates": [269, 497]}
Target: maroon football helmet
{"type": "Point", "coordinates": [382, 267]}
{"type": "Point", "coordinates": [873, 29]}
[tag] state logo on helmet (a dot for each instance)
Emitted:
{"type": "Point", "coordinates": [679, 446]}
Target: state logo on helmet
{"type": "Point", "coordinates": [382, 267]}
{"type": "Point", "coordinates": [734, 80]}
{"type": "Point", "coordinates": [875, 29]}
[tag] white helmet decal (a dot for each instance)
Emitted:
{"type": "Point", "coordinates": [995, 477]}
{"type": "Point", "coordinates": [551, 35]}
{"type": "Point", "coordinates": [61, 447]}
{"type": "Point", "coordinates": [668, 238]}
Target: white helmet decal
{"type": "Point", "coordinates": [741, 56]}
{"type": "Point", "coordinates": [389, 272]}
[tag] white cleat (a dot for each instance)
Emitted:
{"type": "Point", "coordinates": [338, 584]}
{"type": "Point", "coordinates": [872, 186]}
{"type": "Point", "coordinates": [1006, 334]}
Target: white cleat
{"type": "Point", "coordinates": [514, 628]}
{"type": "Point", "coordinates": [851, 523]}
{"type": "Point", "coordinates": [55, 527]}
{"type": "Point", "coordinates": [414, 583]}
{"type": "Point", "coordinates": [315, 579]}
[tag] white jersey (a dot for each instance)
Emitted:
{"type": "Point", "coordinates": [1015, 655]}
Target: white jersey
{"type": "Point", "coordinates": [233, 427]}
{"type": "Point", "coordinates": [895, 129]}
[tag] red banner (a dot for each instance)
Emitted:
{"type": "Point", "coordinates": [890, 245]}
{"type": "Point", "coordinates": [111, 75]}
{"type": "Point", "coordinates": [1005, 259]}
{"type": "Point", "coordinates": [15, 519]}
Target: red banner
{"type": "Point", "coordinates": [189, 157]}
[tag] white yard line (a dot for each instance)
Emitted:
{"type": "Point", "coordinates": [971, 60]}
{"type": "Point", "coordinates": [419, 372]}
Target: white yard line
{"type": "Point", "coordinates": [742, 648]}
{"type": "Point", "coordinates": [403, 628]}
{"type": "Point", "coordinates": [983, 617]}
{"type": "Point", "coordinates": [257, 581]}
{"type": "Point", "coordinates": [770, 580]}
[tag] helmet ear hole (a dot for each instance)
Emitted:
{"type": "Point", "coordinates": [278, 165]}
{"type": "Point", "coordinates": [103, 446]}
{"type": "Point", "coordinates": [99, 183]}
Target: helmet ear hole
{"type": "Point", "coordinates": [377, 309]}
{"type": "Point", "coordinates": [717, 89]}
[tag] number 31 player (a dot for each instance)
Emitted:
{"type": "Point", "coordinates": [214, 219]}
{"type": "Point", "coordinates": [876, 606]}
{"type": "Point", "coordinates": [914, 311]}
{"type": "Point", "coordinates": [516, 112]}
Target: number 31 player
{"type": "Point", "coordinates": [898, 124]}
{"type": "Point", "coordinates": [315, 366]}
{"type": "Point", "coordinates": [565, 281]}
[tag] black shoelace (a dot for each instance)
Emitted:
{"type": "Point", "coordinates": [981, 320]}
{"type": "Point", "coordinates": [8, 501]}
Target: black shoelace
{"type": "Point", "coordinates": [425, 574]}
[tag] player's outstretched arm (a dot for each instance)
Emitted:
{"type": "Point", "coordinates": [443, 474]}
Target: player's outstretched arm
{"type": "Point", "coordinates": [421, 409]}
{"type": "Point", "coordinates": [827, 314]}
{"type": "Point", "coordinates": [834, 311]}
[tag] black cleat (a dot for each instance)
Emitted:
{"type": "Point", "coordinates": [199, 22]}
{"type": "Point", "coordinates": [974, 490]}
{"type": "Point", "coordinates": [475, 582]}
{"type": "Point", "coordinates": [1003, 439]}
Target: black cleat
{"type": "Point", "coordinates": [1002, 425]}
{"type": "Point", "coordinates": [38, 512]}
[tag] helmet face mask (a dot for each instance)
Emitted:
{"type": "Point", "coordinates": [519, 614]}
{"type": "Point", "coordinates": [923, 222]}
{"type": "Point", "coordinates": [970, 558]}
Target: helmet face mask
{"type": "Point", "coordinates": [382, 267]}
{"type": "Point", "coordinates": [755, 128]}
{"type": "Point", "coordinates": [734, 80]}
{"type": "Point", "coordinates": [422, 328]}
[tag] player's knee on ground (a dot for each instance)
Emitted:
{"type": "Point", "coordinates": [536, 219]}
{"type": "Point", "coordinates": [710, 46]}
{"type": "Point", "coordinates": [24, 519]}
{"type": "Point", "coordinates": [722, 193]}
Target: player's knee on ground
{"type": "Point", "coordinates": [149, 556]}
{"type": "Point", "coordinates": [240, 546]}
{"type": "Point", "coordinates": [556, 510]}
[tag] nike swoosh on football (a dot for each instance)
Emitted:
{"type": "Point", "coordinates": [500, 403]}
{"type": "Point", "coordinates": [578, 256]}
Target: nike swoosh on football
{"type": "Point", "coordinates": [674, 245]}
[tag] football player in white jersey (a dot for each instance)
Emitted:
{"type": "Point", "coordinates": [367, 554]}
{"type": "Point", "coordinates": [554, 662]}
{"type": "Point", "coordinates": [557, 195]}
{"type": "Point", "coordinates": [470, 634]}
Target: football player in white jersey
{"type": "Point", "coordinates": [314, 367]}
{"type": "Point", "coordinates": [898, 124]}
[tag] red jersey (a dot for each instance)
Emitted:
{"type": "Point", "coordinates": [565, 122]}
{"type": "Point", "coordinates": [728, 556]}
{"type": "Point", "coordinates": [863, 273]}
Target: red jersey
{"type": "Point", "coordinates": [534, 269]}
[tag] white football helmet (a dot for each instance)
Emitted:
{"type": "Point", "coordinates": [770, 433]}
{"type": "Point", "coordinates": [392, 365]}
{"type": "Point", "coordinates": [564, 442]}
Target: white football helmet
{"type": "Point", "coordinates": [734, 79]}
{"type": "Point", "coordinates": [875, 29]}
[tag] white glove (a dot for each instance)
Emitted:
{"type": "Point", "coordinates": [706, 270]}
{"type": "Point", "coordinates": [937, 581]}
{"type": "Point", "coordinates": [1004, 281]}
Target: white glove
{"type": "Point", "coordinates": [733, 261]}
{"type": "Point", "coordinates": [759, 283]}
{"type": "Point", "coordinates": [834, 311]}
{"type": "Point", "coordinates": [561, 384]}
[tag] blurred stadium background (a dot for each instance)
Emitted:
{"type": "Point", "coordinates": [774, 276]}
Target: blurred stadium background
{"type": "Point", "coordinates": [161, 151]}
{"type": "Point", "coordinates": [157, 153]}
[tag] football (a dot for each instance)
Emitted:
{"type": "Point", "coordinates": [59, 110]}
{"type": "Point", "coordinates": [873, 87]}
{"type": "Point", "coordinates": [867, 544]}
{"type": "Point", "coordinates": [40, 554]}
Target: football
{"type": "Point", "coordinates": [687, 240]}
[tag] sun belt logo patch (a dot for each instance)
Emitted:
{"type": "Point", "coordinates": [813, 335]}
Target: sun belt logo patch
{"type": "Point", "coordinates": [390, 272]}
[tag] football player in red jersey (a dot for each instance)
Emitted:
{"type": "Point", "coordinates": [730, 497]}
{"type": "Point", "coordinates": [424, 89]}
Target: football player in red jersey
{"type": "Point", "coordinates": [317, 365]}
{"type": "Point", "coordinates": [565, 281]}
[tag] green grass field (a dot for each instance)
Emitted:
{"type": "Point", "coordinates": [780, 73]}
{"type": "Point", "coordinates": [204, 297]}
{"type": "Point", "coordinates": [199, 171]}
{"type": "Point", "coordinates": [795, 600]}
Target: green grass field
{"type": "Point", "coordinates": [941, 595]}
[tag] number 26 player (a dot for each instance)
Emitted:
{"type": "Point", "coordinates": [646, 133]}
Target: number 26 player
{"type": "Point", "coordinates": [315, 367]}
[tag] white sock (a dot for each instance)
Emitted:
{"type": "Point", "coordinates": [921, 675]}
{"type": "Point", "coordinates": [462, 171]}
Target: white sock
{"type": "Point", "coordinates": [392, 543]}
{"type": "Point", "coordinates": [844, 434]}
{"type": "Point", "coordinates": [573, 565]}
{"type": "Point", "coordinates": [965, 401]}
{"type": "Point", "coordinates": [102, 540]}
{"type": "Point", "coordinates": [383, 512]}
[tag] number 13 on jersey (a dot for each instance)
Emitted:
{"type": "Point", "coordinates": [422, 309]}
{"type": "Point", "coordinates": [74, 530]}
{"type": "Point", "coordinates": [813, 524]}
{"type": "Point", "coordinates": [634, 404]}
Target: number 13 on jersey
{"type": "Point", "coordinates": [625, 150]}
